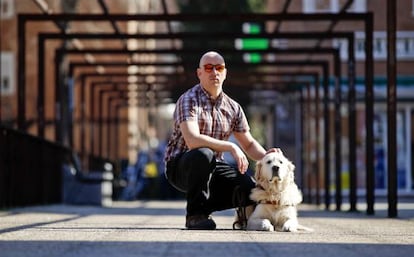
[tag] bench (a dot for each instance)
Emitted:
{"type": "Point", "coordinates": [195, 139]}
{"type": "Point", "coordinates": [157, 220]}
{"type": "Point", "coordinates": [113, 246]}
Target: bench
{"type": "Point", "coordinates": [86, 188]}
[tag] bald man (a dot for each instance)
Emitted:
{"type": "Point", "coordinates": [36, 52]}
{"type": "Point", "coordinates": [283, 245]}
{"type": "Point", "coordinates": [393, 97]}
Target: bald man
{"type": "Point", "coordinates": [204, 119]}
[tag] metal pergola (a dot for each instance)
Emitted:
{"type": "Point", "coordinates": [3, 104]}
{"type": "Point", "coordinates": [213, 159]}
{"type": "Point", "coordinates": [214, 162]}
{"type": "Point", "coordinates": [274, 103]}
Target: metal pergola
{"type": "Point", "coordinates": [366, 19]}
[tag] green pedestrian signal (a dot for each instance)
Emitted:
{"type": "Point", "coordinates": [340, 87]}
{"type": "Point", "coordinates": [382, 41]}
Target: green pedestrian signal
{"type": "Point", "coordinates": [252, 43]}
{"type": "Point", "coordinates": [252, 57]}
{"type": "Point", "coordinates": [251, 28]}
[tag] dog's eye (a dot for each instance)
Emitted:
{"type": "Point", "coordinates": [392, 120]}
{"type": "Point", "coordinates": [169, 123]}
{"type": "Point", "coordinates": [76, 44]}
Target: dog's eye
{"type": "Point", "coordinates": [269, 162]}
{"type": "Point", "coordinates": [280, 162]}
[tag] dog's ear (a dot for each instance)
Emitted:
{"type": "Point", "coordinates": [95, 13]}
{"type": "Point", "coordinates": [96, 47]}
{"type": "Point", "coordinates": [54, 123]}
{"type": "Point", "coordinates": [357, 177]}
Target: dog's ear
{"type": "Point", "coordinates": [257, 173]}
{"type": "Point", "coordinates": [291, 168]}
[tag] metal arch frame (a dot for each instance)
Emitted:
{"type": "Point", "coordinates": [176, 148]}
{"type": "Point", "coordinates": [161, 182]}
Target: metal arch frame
{"type": "Point", "coordinates": [288, 51]}
{"type": "Point", "coordinates": [300, 50]}
{"type": "Point", "coordinates": [316, 82]}
{"type": "Point", "coordinates": [318, 50]}
{"type": "Point", "coordinates": [369, 63]}
{"type": "Point", "coordinates": [310, 35]}
{"type": "Point", "coordinates": [109, 83]}
{"type": "Point", "coordinates": [120, 95]}
{"type": "Point", "coordinates": [117, 82]}
{"type": "Point", "coordinates": [93, 85]}
{"type": "Point", "coordinates": [83, 92]}
{"type": "Point", "coordinates": [84, 85]}
{"type": "Point", "coordinates": [325, 83]}
{"type": "Point", "coordinates": [44, 36]}
{"type": "Point", "coordinates": [324, 64]}
{"type": "Point", "coordinates": [116, 144]}
{"type": "Point", "coordinates": [289, 17]}
{"type": "Point", "coordinates": [337, 122]}
{"type": "Point", "coordinates": [277, 73]}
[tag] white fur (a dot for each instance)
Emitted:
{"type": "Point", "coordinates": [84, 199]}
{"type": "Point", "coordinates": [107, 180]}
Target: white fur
{"type": "Point", "coordinates": [276, 195]}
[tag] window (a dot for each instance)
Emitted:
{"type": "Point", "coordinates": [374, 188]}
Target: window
{"type": "Point", "coordinates": [6, 9]}
{"type": "Point", "coordinates": [404, 45]}
{"type": "Point", "coordinates": [323, 5]}
{"type": "Point", "coordinates": [333, 6]}
{"type": "Point", "coordinates": [7, 73]}
{"type": "Point", "coordinates": [412, 8]}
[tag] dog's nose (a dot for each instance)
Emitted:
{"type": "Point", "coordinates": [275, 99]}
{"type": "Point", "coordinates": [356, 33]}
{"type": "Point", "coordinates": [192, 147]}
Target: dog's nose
{"type": "Point", "coordinates": [275, 171]}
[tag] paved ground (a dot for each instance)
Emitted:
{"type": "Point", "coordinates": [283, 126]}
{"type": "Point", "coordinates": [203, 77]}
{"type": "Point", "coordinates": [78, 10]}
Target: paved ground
{"type": "Point", "coordinates": [155, 228]}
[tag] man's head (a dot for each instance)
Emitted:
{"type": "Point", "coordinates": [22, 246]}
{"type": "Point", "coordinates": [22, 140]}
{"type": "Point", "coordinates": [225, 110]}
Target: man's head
{"type": "Point", "coordinates": [212, 72]}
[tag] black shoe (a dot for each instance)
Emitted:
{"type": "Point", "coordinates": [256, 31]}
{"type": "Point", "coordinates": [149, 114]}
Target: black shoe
{"type": "Point", "coordinates": [201, 222]}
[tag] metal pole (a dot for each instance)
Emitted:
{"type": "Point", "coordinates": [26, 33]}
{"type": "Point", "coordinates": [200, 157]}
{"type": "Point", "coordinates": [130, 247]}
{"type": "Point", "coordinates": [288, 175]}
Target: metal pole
{"type": "Point", "coordinates": [21, 73]}
{"type": "Point", "coordinates": [338, 134]}
{"type": "Point", "coordinates": [58, 104]}
{"type": "Point", "coordinates": [352, 127]}
{"type": "Point", "coordinates": [100, 126]}
{"type": "Point", "coordinates": [317, 132]}
{"type": "Point", "coordinates": [41, 88]}
{"type": "Point", "coordinates": [82, 118]}
{"type": "Point", "coordinates": [391, 109]}
{"type": "Point", "coordinates": [327, 137]}
{"type": "Point", "coordinates": [302, 137]}
{"type": "Point", "coordinates": [1, 33]}
{"type": "Point", "coordinates": [309, 168]}
{"type": "Point", "coordinates": [109, 126]}
{"type": "Point", "coordinates": [369, 113]}
{"type": "Point", "coordinates": [92, 119]}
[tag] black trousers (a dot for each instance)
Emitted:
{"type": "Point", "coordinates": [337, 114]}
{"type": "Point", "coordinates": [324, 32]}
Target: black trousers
{"type": "Point", "coordinates": [209, 185]}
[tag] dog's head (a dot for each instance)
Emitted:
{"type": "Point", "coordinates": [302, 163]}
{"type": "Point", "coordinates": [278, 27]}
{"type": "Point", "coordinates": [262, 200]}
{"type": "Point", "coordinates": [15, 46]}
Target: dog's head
{"type": "Point", "coordinates": [274, 168]}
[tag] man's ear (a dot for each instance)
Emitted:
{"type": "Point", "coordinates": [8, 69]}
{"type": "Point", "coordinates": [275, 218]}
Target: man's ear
{"type": "Point", "coordinates": [198, 72]}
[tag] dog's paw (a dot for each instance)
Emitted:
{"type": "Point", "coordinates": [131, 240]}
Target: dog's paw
{"type": "Point", "coordinates": [290, 226]}
{"type": "Point", "coordinates": [267, 225]}
{"type": "Point", "coordinates": [260, 225]}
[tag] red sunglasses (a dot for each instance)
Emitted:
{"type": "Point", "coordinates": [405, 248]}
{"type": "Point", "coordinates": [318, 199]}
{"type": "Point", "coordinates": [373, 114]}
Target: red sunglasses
{"type": "Point", "coordinates": [209, 67]}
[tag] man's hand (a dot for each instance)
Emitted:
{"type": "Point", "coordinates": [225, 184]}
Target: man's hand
{"type": "Point", "coordinates": [273, 150]}
{"type": "Point", "coordinates": [240, 158]}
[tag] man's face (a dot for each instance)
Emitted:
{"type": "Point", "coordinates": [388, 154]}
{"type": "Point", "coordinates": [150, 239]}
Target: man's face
{"type": "Point", "coordinates": [212, 72]}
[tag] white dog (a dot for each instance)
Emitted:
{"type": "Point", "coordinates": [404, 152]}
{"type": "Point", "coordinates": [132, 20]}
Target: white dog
{"type": "Point", "coordinates": [276, 195]}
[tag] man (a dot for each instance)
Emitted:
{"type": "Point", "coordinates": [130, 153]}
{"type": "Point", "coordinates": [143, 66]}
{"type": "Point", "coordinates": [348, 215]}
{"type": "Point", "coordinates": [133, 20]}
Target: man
{"type": "Point", "coordinates": [205, 117]}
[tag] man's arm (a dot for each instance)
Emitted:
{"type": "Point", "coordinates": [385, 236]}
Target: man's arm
{"type": "Point", "coordinates": [253, 149]}
{"type": "Point", "coordinates": [194, 139]}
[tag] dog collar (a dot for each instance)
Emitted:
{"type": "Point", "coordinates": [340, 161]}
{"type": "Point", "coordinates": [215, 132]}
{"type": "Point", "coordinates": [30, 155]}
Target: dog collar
{"type": "Point", "coordinates": [270, 202]}
{"type": "Point", "coordinates": [274, 202]}
{"type": "Point", "coordinates": [260, 187]}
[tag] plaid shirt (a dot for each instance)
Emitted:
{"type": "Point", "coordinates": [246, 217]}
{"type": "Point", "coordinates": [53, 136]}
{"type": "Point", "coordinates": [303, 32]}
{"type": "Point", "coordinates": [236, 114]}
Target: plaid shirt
{"type": "Point", "coordinates": [217, 119]}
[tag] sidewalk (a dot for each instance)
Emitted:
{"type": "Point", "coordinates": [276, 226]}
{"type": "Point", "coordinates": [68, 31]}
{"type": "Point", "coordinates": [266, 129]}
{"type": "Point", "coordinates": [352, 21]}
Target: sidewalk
{"type": "Point", "coordinates": [155, 228]}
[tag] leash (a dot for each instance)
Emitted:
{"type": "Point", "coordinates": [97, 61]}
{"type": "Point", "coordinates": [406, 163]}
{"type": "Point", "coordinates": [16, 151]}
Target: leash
{"type": "Point", "coordinates": [240, 202]}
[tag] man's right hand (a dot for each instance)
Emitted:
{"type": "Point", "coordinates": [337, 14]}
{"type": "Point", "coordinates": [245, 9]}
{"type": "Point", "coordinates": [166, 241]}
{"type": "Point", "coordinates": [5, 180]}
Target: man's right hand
{"type": "Point", "coordinates": [240, 158]}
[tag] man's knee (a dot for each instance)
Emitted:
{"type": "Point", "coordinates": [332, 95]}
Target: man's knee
{"type": "Point", "coordinates": [200, 162]}
{"type": "Point", "coordinates": [201, 156]}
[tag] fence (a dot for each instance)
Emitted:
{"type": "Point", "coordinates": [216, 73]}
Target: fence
{"type": "Point", "coordinates": [30, 169]}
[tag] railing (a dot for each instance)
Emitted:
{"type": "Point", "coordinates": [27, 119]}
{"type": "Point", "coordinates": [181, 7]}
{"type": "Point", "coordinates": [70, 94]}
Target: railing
{"type": "Point", "coordinates": [30, 169]}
